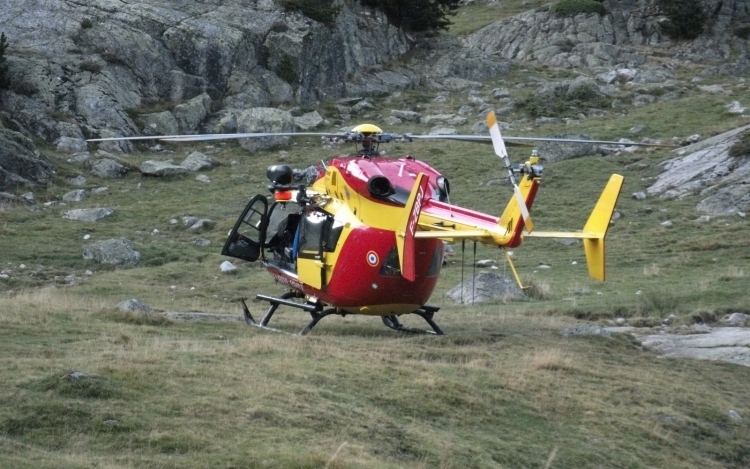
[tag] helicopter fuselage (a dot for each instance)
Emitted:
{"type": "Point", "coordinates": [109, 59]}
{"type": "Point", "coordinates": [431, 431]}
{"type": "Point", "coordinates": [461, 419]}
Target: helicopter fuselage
{"type": "Point", "coordinates": [361, 200]}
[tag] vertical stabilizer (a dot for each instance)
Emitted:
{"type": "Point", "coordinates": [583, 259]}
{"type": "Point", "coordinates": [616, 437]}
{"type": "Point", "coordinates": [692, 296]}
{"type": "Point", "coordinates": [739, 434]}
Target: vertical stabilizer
{"type": "Point", "coordinates": [597, 225]}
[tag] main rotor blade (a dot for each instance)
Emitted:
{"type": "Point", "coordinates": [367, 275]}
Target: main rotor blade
{"type": "Point", "coordinates": [205, 137]}
{"type": "Point", "coordinates": [523, 140]}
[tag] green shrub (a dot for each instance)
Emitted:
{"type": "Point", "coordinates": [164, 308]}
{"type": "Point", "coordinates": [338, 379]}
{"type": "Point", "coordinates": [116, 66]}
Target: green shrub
{"type": "Point", "coordinates": [287, 70]}
{"type": "Point", "coordinates": [562, 103]}
{"type": "Point", "coordinates": [91, 66]}
{"type": "Point", "coordinates": [4, 77]}
{"type": "Point", "coordinates": [323, 11]}
{"type": "Point", "coordinates": [416, 15]}
{"type": "Point", "coordinates": [86, 23]}
{"type": "Point", "coordinates": [686, 18]}
{"type": "Point", "coordinates": [741, 148]}
{"type": "Point", "coordinates": [743, 32]}
{"type": "Point", "coordinates": [574, 7]}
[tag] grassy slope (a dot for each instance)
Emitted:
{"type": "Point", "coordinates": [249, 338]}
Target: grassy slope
{"type": "Point", "coordinates": [503, 389]}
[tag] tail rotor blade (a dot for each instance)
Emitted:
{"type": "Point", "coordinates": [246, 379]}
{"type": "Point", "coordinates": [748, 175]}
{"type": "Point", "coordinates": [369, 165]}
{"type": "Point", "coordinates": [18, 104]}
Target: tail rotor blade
{"type": "Point", "coordinates": [499, 146]}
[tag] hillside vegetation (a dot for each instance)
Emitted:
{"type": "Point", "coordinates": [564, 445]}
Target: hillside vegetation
{"type": "Point", "coordinates": [87, 385]}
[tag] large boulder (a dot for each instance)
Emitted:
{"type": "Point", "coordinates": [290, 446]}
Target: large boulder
{"type": "Point", "coordinates": [485, 286]}
{"type": "Point", "coordinates": [263, 119]}
{"type": "Point", "coordinates": [117, 252]}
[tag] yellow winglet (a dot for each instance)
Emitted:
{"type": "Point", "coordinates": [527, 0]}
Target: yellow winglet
{"type": "Point", "coordinates": [598, 224]}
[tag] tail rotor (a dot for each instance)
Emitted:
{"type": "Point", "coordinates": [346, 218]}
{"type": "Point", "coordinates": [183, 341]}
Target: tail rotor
{"type": "Point", "coordinates": [499, 146]}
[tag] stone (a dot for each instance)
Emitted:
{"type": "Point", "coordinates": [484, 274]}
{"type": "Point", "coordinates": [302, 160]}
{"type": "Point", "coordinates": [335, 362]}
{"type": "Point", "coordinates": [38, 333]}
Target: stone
{"type": "Point", "coordinates": [227, 267]}
{"type": "Point", "coordinates": [197, 161]}
{"type": "Point", "coordinates": [135, 305]}
{"type": "Point", "coordinates": [74, 196]}
{"type": "Point", "coordinates": [70, 144]}
{"type": "Point", "coordinates": [410, 116]}
{"type": "Point", "coordinates": [735, 108]}
{"type": "Point", "coordinates": [485, 286]}
{"type": "Point", "coordinates": [736, 319]}
{"type": "Point", "coordinates": [308, 121]}
{"type": "Point", "coordinates": [77, 181]}
{"type": "Point", "coordinates": [162, 168]}
{"type": "Point", "coordinates": [259, 120]}
{"type": "Point", "coordinates": [88, 214]}
{"type": "Point", "coordinates": [105, 168]}
{"type": "Point", "coordinates": [117, 252]}
{"type": "Point", "coordinates": [586, 330]}
{"type": "Point", "coordinates": [160, 123]}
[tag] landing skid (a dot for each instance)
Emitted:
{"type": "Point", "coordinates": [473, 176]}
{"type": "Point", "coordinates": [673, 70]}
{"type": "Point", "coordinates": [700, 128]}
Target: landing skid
{"type": "Point", "coordinates": [315, 309]}
{"type": "Point", "coordinates": [317, 312]}
{"type": "Point", "coordinates": [425, 312]}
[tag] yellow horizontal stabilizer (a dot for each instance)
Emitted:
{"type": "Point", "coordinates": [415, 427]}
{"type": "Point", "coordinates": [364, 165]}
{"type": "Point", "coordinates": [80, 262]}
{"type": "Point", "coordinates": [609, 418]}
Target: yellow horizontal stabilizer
{"type": "Point", "coordinates": [560, 234]}
{"type": "Point", "coordinates": [453, 234]}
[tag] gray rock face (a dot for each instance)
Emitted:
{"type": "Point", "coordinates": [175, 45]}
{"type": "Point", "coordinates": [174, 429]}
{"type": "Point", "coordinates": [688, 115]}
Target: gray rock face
{"type": "Point", "coordinates": [90, 61]}
{"type": "Point", "coordinates": [485, 286]}
{"type": "Point", "coordinates": [20, 163]}
{"type": "Point", "coordinates": [88, 214]}
{"type": "Point", "coordinates": [591, 40]}
{"type": "Point", "coordinates": [707, 169]}
{"type": "Point", "coordinates": [117, 252]}
{"type": "Point", "coordinates": [728, 344]}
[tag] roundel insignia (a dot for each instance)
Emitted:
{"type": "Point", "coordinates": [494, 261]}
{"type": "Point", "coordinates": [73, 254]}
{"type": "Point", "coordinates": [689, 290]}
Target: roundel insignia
{"type": "Point", "coordinates": [372, 258]}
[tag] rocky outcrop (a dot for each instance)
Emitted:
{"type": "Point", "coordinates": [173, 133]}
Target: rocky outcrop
{"type": "Point", "coordinates": [82, 68]}
{"type": "Point", "coordinates": [706, 168]}
{"type": "Point", "coordinates": [21, 164]}
{"type": "Point", "coordinates": [618, 37]}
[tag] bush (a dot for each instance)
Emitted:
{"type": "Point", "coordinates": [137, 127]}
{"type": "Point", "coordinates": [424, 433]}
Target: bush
{"type": "Point", "coordinates": [743, 32]}
{"type": "Point", "coordinates": [562, 103]}
{"type": "Point", "coordinates": [741, 148]}
{"type": "Point", "coordinates": [416, 15]}
{"type": "Point", "coordinates": [91, 66]}
{"type": "Point", "coordinates": [574, 7]}
{"type": "Point", "coordinates": [686, 18]}
{"type": "Point", "coordinates": [287, 70]}
{"type": "Point", "coordinates": [322, 11]}
{"type": "Point", "coordinates": [4, 76]}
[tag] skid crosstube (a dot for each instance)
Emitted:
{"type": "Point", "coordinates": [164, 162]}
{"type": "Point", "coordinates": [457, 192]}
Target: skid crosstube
{"type": "Point", "coordinates": [317, 312]}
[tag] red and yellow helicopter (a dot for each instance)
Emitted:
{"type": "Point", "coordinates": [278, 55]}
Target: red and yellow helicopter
{"type": "Point", "coordinates": [366, 237]}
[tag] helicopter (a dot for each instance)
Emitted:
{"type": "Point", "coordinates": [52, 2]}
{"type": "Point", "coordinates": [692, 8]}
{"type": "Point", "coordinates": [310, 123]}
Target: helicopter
{"type": "Point", "coordinates": [365, 234]}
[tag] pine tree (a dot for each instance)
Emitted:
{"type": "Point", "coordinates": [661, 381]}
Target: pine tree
{"type": "Point", "coordinates": [686, 18]}
{"type": "Point", "coordinates": [416, 15]}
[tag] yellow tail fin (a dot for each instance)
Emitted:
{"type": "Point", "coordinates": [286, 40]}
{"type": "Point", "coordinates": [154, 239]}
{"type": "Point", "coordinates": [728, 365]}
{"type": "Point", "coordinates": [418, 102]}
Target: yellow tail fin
{"type": "Point", "coordinates": [597, 225]}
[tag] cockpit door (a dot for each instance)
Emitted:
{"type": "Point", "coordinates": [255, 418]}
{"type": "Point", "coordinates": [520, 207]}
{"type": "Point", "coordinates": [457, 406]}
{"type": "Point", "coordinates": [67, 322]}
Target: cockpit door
{"type": "Point", "coordinates": [310, 252]}
{"type": "Point", "coordinates": [248, 235]}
